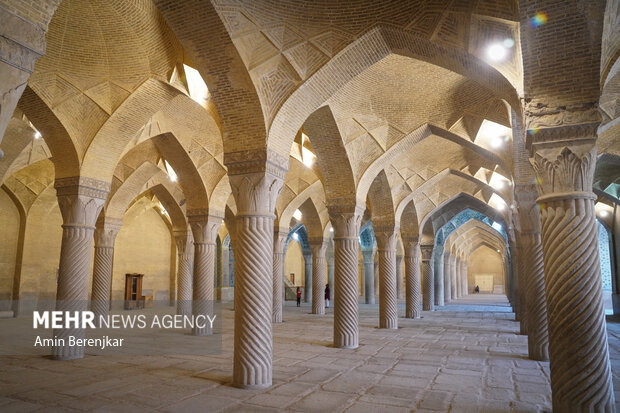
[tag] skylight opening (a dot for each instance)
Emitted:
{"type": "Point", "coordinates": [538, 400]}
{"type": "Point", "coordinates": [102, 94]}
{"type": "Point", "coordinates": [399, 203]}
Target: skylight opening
{"type": "Point", "coordinates": [297, 215]}
{"type": "Point", "coordinates": [198, 90]}
{"type": "Point", "coordinates": [171, 173]}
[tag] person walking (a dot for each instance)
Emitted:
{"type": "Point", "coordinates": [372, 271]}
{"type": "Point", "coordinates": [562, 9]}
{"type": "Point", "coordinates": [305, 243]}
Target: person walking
{"type": "Point", "coordinates": [327, 296]}
{"type": "Point", "coordinates": [298, 297]}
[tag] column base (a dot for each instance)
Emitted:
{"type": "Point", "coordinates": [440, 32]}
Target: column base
{"type": "Point", "coordinates": [252, 386]}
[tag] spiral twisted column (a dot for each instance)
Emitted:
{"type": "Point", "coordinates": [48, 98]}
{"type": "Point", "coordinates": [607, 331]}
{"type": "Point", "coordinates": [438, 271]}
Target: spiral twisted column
{"type": "Point", "coordinates": [458, 269]}
{"type": "Point", "coordinates": [105, 234]}
{"type": "Point", "coordinates": [581, 379]}
{"type": "Point", "coordinates": [80, 200]}
{"type": "Point", "coordinates": [399, 276]}
{"type": "Point", "coordinates": [413, 298]}
{"type": "Point", "coordinates": [255, 194]}
{"type": "Point", "coordinates": [346, 222]}
{"type": "Point", "coordinates": [439, 279]}
{"type": "Point", "coordinates": [388, 302]}
{"type": "Point", "coordinates": [375, 272]}
{"type": "Point", "coordinates": [318, 275]}
{"type": "Point", "coordinates": [330, 269]}
{"type": "Point", "coordinates": [538, 335]}
{"type": "Point", "coordinates": [464, 276]}
{"type": "Point", "coordinates": [447, 277]}
{"type": "Point", "coordinates": [307, 277]}
{"type": "Point", "coordinates": [453, 277]}
{"type": "Point", "coordinates": [279, 239]}
{"type": "Point", "coordinates": [369, 276]}
{"type": "Point", "coordinates": [184, 241]}
{"type": "Point", "coordinates": [428, 281]}
{"type": "Point", "coordinates": [521, 275]}
{"type": "Point", "coordinates": [204, 230]}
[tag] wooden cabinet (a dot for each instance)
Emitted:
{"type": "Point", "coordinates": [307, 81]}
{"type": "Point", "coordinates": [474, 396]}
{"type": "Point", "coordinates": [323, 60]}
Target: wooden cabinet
{"type": "Point", "coordinates": [133, 291]}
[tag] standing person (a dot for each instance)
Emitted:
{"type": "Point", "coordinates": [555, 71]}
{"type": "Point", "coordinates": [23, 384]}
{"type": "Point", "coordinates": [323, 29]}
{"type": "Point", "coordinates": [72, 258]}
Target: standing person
{"type": "Point", "coordinates": [298, 297]}
{"type": "Point", "coordinates": [327, 296]}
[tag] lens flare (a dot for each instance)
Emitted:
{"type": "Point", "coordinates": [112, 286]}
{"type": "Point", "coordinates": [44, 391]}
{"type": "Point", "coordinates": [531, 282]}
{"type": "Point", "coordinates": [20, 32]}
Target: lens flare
{"type": "Point", "coordinates": [539, 19]}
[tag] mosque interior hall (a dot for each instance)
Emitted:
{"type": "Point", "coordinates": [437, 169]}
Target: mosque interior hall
{"type": "Point", "coordinates": [310, 206]}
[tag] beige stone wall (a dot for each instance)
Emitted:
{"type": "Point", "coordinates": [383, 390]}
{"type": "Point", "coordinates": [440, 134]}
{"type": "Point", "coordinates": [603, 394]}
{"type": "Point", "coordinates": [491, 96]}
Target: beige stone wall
{"type": "Point", "coordinates": [485, 261]}
{"type": "Point", "coordinates": [41, 248]}
{"type": "Point", "coordinates": [143, 246]}
{"type": "Point", "coordinates": [294, 263]}
{"type": "Point", "coordinates": [9, 222]}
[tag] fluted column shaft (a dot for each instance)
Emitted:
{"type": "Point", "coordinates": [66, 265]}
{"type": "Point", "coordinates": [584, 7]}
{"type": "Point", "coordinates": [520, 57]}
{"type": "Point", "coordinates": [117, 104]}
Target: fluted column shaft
{"type": "Point", "coordinates": [447, 277]}
{"type": "Point", "coordinates": [388, 302]}
{"type": "Point", "coordinates": [464, 288]}
{"type": "Point", "coordinates": [318, 276]}
{"type": "Point", "coordinates": [346, 223]}
{"type": "Point", "coordinates": [439, 279]}
{"type": "Point", "coordinates": [538, 335]}
{"type": "Point", "coordinates": [330, 271]}
{"type": "Point", "coordinates": [581, 378]}
{"type": "Point", "coordinates": [369, 276]}
{"type": "Point", "coordinates": [453, 278]}
{"type": "Point", "coordinates": [80, 201]}
{"type": "Point", "coordinates": [105, 234]}
{"type": "Point", "coordinates": [184, 241]}
{"type": "Point", "coordinates": [399, 277]}
{"type": "Point", "coordinates": [255, 194]}
{"type": "Point", "coordinates": [307, 277]}
{"type": "Point", "coordinates": [413, 298]}
{"type": "Point", "coordinates": [428, 281]}
{"type": "Point", "coordinates": [279, 239]}
{"type": "Point", "coordinates": [204, 231]}
{"type": "Point", "coordinates": [459, 281]}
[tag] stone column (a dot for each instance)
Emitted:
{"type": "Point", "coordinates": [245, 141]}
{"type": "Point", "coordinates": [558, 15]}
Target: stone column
{"type": "Point", "coordinates": [346, 222]}
{"type": "Point", "coordinates": [204, 230]}
{"type": "Point", "coordinates": [308, 277]}
{"type": "Point", "coordinates": [225, 269]}
{"type": "Point", "coordinates": [428, 282]}
{"type": "Point", "coordinates": [279, 239]}
{"type": "Point", "coordinates": [388, 300]}
{"type": "Point", "coordinates": [105, 235]}
{"type": "Point", "coordinates": [255, 184]}
{"type": "Point", "coordinates": [399, 277]}
{"type": "Point", "coordinates": [184, 240]}
{"type": "Point", "coordinates": [580, 370]}
{"type": "Point", "coordinates": [453, 277]}
{"type": "Point", "coordinates": [369, 276]}
{"type": "Point", "coordinates": [80, 200]}
{"type": "Point", "coordinates": [375, 273]}
{"type": "Point", "coordinates": [465, 287]}
{"type": "Point", "coordinates": [459, 282]}
{"type": "Point", "coordinates": [521, 276]}
{"type": "Point", "coordinates": [538, 335]}
{"type": "Point", "coordinates": [330, 271]}
{"type": "Point", "coordinates": [23, 42]}
{"type": "Point", "coordinates": [439, 286]}
{"type": "Point", "coordinates": [413, 299]}
{"type": "Point", "coordinates": [447, 277]}
{"type": "Point", "coordinates": [318, 275]}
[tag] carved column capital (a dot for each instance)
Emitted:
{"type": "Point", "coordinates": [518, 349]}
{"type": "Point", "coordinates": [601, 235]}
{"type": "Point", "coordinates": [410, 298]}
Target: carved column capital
{"type": "Point", "coordinates": [386, 238]}
{"type": "Point", "coordinates": [565, 169]}
{"type": "Point", "coordinates": [80, 200]}
{"type": "Point", "coordinates": [411, 247]}
{"type": "Point", "coordinates": [256, 178]}
{"type": "Point", "coordinates": [279, 240]}
{"type": "Point", "coordinates": [184, 241]}
{"type": "Point", "coordinates": [105, 234]}
{"type": "Point", "coordinates": [318, 247]}
{"type": "Point", "coordinates": [346, 221]}
{"type": "Point", "coordinates": [204, 228]}
{"type": "Point", "coordinates": [427, 252]}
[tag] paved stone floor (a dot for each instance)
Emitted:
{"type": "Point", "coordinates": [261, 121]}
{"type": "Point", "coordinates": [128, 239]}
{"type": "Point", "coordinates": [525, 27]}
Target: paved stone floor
{"type": "Point", "coordinates": [466, 357]}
